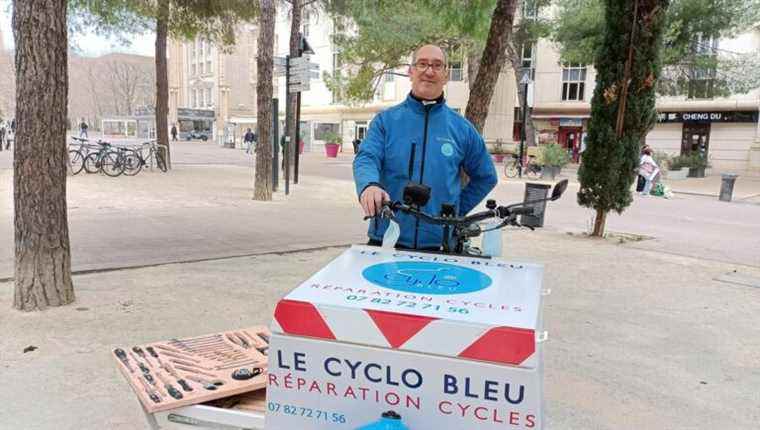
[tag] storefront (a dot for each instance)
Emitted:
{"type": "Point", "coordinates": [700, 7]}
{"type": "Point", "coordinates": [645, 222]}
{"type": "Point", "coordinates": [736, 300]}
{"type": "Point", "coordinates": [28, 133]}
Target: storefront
{"type": "Point", "coordinates": [566, 131]}
{"type": "Point", "coordinates": [195, 123]}
{"type": "Point", "coordinates": [724, 137]}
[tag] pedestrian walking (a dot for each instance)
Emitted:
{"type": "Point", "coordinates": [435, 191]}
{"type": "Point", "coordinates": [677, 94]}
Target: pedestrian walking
{"type": "Point", "coordinates": [174, 132]}
{"type": "Point", "coordinates": [2, 134]}
{"type": "Point", "coordinates": [250, 141]}
{"type": "Point", "coordinates": [83, 129]}
{"type": "Point", "coordinates": [356, 142]}
{"type": "Point", "coordinates": [648, 169]}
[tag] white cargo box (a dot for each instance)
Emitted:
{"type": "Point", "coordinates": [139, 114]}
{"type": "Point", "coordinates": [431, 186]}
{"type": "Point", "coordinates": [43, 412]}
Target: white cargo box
{"type": "Point", "coordinates": [447, 342]}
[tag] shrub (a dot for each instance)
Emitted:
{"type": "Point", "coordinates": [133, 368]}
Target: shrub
{"type": "Point", "coordinates": [554, 155]}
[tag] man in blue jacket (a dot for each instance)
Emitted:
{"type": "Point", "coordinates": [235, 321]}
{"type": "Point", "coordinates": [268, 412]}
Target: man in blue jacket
{"type": "Point", "coordinates": [422, 140]}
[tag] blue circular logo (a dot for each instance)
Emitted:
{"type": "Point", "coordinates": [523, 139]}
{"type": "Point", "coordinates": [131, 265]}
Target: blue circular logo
{"type": "Point", "coordinates": [426, 277]}
{"type": "Point", "coordinates": [447, 149]}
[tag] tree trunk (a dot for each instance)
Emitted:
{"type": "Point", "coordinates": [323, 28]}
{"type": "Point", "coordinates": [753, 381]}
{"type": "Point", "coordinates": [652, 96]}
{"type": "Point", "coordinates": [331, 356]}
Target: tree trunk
{"type": "Point", "coordinates": [162, 81]}
{"type": "Point", "coordinates": [292, 99]}
{"type": "Point", "coordinates": [264, 63]}
{"type": "Point", "coordinates": [43, 254]}
{"type": "Point", "coordinates": [494, 55]}
{"type": "Point", "coordinates": [600, 221]}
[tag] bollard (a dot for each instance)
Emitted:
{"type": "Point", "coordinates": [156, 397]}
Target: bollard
{"type": "Point", "coordinates": [727, 186]}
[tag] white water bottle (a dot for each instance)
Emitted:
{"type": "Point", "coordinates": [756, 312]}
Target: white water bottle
{"type": "Point", "coordinates": [492, 240]}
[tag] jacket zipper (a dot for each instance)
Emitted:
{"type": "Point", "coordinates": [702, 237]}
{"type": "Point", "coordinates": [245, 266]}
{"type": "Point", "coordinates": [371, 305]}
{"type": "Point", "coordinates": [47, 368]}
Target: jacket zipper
{"type": "Point", "coordinates": [422, 167]}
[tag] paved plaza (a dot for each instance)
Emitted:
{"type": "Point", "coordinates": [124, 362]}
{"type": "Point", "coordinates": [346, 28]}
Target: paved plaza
{"type": "Point", "coordinates": [652, 328]}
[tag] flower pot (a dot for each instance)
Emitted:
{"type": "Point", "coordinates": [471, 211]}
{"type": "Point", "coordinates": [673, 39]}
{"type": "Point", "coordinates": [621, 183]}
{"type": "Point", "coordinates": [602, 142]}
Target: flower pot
{"type": "Point", "coordinates": [550, 172]}
{"type": "Point", "coordinates": [331, 149]}
{"type": "Point", "coordinates": [498, 158]}
{"type": "Point", "coordinates": [678, 175]}
{"type": "Point", "coordinates": [696, 172]}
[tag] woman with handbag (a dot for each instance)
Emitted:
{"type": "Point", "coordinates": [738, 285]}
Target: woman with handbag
{"type": "Point", "coordinates": [648, 169]}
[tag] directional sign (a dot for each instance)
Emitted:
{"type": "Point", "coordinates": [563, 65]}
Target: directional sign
{"type": "Point", "coordinates": [298, 88]}
{"type": "Point", "coordinates": [308, 74]}
{"type": "Point", "coordinates": [299, 60]}
{"type": "Point", "coordinates": [304, 66]}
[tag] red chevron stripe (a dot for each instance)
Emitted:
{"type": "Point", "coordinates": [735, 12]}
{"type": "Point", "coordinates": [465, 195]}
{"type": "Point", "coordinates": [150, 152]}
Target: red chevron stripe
{"type": "Point", "coordinates": [502, 345]}
{"type": "Point", "coordinates": [302, 319]}
{"type": "Point", "coordinates": [398, 328]}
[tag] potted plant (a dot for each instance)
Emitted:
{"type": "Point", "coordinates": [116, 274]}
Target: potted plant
{"type": "Point", "coordinates": [498, 151]}
{"type": "Point", "coordinates": [678, 167]}
{"type": "Point", "coordinates": [332, 145]}
{"type": "Point", "coordinates": [553, 158]}
{"type": "Point", "coordinates": [697, 163]}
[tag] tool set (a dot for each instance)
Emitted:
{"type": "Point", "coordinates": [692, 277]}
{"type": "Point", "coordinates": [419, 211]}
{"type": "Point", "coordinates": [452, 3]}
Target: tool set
{"type": "Point", "coordinates": [180, 372]}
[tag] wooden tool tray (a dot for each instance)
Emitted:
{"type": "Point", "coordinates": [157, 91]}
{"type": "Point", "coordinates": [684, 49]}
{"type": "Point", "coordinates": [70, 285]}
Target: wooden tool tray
{"type": "Point", "coordinates": [181, 372]}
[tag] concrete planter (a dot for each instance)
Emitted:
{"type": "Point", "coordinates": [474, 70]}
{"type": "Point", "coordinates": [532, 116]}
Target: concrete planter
{"type": "Point", "coordinates": [696, 172]}
{"type": "Point", "coordinates": [678, 175]}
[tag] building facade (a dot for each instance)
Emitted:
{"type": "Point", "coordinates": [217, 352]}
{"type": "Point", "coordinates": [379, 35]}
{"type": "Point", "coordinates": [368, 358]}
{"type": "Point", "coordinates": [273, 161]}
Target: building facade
{"type": "Point", "coordinates": [206, 82]}
{"type": "Point", "coordinates": [726, 130]}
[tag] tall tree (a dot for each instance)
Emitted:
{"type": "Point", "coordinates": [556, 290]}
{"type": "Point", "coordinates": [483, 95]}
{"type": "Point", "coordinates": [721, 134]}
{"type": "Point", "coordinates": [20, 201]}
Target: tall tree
{"type": "Point", "coordinates": [388, 31]}
{"type": "Point", "coordinates": [42, 250]}
{"type": "Point", "coordinates": [262, 189]}
{"type": "Point", "coordinates": [692, 64]}
{"type": "Point", "coordinates": [292, 98]}
{"type": "Point", "coordinates": [622, 108]}
{"type": "Point", "coordinates": [491, 61]}
{"type": "Point", "coordinates": [162, 79]}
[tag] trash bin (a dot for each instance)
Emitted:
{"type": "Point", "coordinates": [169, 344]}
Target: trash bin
{"type": "Point", "coordinates": [727, 186]}
{"type": "Point", "coordinates": [535, 192]}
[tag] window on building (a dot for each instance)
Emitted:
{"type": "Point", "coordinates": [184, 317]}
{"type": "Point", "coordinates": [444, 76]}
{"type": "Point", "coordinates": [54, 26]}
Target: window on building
{"type": "Point", "coordinates": [456, 72]}
{"type": "Point", "coordinates": [573, 82]}
{"type": "Point", "coordinates": [192, 51]}
{"type": "Point", "coordinates": [389, 77]}
{"type": "Point", "coordinates": [529, 9]}
{"type": "Point", "coordinates": [702, 77]}
{"type": "Point", "coordinates": [201, 98]}
{"type": "Point", "coordinates": [336, 67]}
{"type": "Point", "coordinates": [192, 69]}
{"type": "Point", "coordinates": [194, 97]}
{"type": "Point", "coordinates": [322, 129]}
{"type": "Point", "coordinates": [208, 66]}
{"type": "Point", "coordinates": [528, 60]}
{"type": "Point", "coordinates": [209, 100]}
{"type": "Point", "coordinates": [200, 43]}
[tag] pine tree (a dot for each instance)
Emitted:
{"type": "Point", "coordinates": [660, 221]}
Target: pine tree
{"type": "Point", "coordinates": [623, 106]}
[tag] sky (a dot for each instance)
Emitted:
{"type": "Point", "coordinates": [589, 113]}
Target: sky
{"type": "Point", "coordinates": [91, 45]}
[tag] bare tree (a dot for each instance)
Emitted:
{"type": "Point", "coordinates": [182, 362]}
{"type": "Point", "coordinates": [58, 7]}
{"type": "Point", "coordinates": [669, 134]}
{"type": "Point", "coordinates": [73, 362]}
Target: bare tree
{"type": "Point", "coordinates": [128, 83]}
{"type": "Point", "coordinates": [264, 65]}
{"type": "Point", "coordinates": [43, 254]}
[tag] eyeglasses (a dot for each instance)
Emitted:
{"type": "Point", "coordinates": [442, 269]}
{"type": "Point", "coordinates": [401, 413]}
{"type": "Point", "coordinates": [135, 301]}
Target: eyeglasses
{"type": "Point", "coordinates": [422, 66]}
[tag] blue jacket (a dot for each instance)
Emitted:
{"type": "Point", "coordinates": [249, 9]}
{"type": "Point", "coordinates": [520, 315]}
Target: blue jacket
{"type": "Point", "coordinates": [428, 144]}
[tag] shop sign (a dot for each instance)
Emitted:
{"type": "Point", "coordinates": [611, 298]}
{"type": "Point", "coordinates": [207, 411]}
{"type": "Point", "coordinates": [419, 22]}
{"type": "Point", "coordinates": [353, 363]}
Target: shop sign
{"type": "Point", "coordinates": [707, 117]}
{"type": "Point", "coordinates": [195, 113]}
{"type": "Point", "coordinates": [571, 122]}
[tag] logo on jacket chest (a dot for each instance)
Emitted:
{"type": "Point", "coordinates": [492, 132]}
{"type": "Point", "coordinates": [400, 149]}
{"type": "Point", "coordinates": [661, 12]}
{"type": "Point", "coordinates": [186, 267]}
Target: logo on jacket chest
{"type": "Point", "coordinates": [447, 146]}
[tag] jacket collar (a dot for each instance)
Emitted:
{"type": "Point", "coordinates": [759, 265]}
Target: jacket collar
{"type": "Point", "coordinates": [418, 105]}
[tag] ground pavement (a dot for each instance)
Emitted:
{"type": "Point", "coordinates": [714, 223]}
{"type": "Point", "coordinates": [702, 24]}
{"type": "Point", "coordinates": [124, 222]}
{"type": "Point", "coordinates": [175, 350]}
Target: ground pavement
{"type": "Point", "coordinates": [658, 333]}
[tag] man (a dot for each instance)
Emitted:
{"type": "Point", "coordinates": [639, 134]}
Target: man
{"type": "Point", "coordinates": [174, 132]}
{"type": "Point", "coordinates": [422, 140]}
{"type": "Point", "coordinates": [249, 138]}
{"type": "Point", "coordinates": [83, 129]}
{"type": "Point", "coordinates": [2, 133]}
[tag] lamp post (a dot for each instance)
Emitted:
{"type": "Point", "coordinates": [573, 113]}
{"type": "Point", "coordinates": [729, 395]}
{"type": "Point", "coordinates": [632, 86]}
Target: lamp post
{"type": "Point", "coordinates": [524, 82]}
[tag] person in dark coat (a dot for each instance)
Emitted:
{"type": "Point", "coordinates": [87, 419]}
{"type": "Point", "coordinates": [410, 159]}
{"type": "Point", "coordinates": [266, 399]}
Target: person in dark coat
{"type": "Point", "coordinates": [174, 132]}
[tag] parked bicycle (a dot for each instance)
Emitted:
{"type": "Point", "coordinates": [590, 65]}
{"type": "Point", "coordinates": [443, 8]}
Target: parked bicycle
{"type": "Point", "coordinates": [530, 169]}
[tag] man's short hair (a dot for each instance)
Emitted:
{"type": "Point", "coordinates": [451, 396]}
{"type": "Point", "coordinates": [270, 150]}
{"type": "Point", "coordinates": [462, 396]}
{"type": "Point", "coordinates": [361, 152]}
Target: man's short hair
{"type": "Point", "coordinates": [445, 59]}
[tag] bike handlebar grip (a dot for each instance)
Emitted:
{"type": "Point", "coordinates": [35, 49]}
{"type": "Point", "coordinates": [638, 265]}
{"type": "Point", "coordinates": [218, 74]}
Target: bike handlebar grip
{"type": "Point", "coordinates": [522, 210]}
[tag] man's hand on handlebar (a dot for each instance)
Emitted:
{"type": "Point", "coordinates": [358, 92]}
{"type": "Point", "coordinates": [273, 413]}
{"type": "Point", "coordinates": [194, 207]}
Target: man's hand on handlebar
{"type": "Point", "coordinates": [372, 200]}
